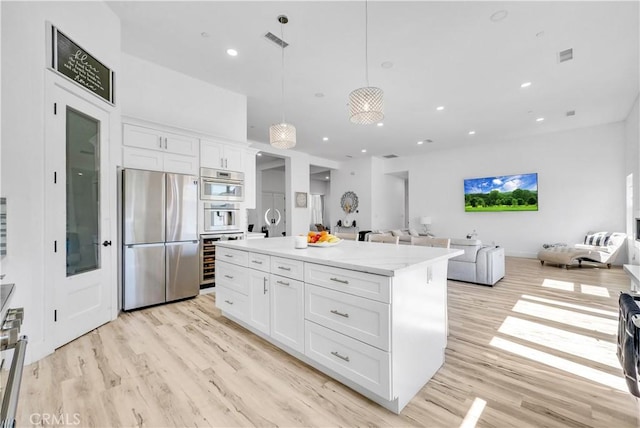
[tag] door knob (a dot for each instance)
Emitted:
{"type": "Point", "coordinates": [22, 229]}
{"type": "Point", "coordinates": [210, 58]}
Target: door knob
{"type": "Point", "coordinates": [106, 243]}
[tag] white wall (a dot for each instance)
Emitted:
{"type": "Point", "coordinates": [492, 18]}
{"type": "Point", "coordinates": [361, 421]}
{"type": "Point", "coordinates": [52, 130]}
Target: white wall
{"type": "Point", "coordinates": [96, 28]}
{"type": "Point", "coordinates": [354, 176]}
{"type": "Point", "coordinates": [318, 187]}
{"type": "Point", "coordinates": [158, 94]}
{"type": "Point", "coordinates": [581, 179]}
{"type": "Point", "coordinates": [632, 159]}
{"type": "Point", "coordinates": [273, 181]}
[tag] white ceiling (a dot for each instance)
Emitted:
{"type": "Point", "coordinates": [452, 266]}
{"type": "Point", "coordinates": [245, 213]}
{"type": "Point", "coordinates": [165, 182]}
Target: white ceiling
{"type": "Point", "coordinates": [443, 53]}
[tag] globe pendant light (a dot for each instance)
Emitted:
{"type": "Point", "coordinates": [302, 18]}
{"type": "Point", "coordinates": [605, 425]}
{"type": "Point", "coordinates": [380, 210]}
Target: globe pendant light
{"type": "Point", "coordinates": [282, 135]}
{"type": "Point", "coordinates": [366, 105]}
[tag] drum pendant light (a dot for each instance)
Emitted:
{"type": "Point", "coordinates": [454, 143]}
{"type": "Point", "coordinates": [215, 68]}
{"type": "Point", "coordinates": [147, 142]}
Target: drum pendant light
{"type": "Point", "coordinates": [282, 135]}
{"type": "Point", "coordinates": [366, 105]}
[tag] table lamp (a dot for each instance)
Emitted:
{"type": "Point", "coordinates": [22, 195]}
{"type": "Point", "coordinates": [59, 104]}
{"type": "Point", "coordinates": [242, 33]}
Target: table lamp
{"type": "Point", "coordinates": [425, 221]}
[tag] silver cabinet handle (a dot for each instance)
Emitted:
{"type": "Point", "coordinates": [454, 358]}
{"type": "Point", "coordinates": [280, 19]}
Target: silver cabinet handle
{"type": "Point", "coordinates": [228, 255]}
{"type": "Point", "coordinates": [340, 313]}
{"type": "Point", "coordinates": [264, 285]}
{"type": "Point", "coordinates": [226, 163]}
{"type": "Point", "coordinates": [160, 141]}
{"type": "Point", "coordinates": [258, 262]}
{"type": "Point", "coordinates": [342, 281]}
{"type": "Point", "coordinates": [334, 353]}
{"type": "Point", "coordinates": [221, 164]}
{"type": "Point", "coordinates": [229, 302]}
{"type": "Point", "coordinates": [228, 276]}
{"type": "Point", "coordinates": [283, 283]}
{"type": "Point", "coordinates": [165, 142]}
{"type": "Point", "coordinates": [284, 268]}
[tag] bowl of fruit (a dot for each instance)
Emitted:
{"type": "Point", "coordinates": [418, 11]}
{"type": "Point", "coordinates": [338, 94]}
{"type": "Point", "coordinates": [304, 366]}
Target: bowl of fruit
{"type": "Point", "coordinates": [322, 239]}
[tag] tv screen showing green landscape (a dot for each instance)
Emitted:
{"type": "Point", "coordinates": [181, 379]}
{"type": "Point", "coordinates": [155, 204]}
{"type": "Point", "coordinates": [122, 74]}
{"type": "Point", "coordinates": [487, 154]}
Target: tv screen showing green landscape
{"type": "Point", "coordinates": [501, 193]}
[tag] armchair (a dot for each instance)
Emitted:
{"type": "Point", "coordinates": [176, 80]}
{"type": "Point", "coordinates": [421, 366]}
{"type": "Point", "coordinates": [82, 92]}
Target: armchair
{"type": "Point", "coordinates": [480, 264]}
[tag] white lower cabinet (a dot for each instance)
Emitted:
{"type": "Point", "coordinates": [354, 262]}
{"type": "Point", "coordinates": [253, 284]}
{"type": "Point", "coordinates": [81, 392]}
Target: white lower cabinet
{"type": "Point", "coordinates": [259, 300]}
{"type": "Point", "coordinates": [287, 311]}
{"type": "Point", "coordinates": [363, 364]}
{"type": "Point", "coordinates": [232, 302]}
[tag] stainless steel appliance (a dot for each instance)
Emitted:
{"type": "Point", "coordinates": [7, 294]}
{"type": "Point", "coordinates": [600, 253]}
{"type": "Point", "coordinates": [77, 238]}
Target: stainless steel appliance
{"type": "Point", "coordinates": [208, 256]}
{"type": "Point", "coordinates": [10, 338]}
{"type": "Point", "coordinates": [218, 185]}
{"type": "Point", "coordinates": [221, 216]}
{"type": "Point", "coordinates": [160, 242]}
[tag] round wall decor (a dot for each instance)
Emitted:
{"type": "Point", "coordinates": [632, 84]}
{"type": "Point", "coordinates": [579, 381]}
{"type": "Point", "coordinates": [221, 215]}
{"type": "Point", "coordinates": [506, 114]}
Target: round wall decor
{"type": "Point", "coordinates": [349, 202]}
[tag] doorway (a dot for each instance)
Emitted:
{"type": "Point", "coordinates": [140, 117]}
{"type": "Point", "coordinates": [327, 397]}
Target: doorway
{"type": "Point", "coordinates": [269, 217]}
{"type": "Point", "coordinates": [78, 214]}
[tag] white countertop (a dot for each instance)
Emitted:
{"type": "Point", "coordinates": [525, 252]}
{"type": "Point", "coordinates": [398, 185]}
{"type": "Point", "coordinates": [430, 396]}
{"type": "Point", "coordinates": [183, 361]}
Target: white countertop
{"type": "Point", "coordinates": [371, 257]}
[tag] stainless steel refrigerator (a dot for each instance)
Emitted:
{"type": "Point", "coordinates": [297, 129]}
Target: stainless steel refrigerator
{"type": "Point", "coordinates": [160, 242]}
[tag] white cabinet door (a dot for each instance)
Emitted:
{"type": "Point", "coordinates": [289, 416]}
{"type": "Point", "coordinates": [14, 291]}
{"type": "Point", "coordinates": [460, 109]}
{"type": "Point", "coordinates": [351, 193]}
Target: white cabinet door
{"type": "Point", "coordinates": [181, 144]}
{"type": "Point", "coordinates": [221, 156]}
{"type": "Point", "coordinates": [142, 159]}
{"type": "Point", "coordinates": [144, 138]}
{"type": "Point", "coordinates": [180, 164]}
{"type": "Point", "coordinates": [233, 158]}
{"type": "Point", "coordinates": [211, 155]}
{"type": "Point", "coordinates": [287, 311]}
{"type": "Point", "coordinates": [259, 300]}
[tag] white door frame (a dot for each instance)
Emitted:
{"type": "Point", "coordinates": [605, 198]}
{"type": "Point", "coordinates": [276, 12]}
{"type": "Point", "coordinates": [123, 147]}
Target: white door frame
{"type": "Point", "coordinates": [108, 212]}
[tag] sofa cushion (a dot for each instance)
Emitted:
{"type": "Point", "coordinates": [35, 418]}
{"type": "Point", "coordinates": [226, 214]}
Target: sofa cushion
{"type": "Point", "coordinates": [597, 238]}
{"type": "Point", "coordinates": [470, 248]}
{"type": "Point", "coordinates": [397, 232]}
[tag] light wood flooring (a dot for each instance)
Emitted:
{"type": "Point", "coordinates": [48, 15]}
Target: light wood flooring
{"type": "Point", "coordinates": [538, 349]}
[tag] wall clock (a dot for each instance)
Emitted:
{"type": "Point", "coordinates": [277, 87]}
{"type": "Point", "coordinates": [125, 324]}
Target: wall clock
{"type": "Point", "coordinates": [301, 200]}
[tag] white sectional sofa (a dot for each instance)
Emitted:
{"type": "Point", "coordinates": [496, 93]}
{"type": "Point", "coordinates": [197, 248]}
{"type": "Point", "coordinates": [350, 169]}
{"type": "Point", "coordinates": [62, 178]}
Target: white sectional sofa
{"type": "Point", "coordinates": [480, 264]}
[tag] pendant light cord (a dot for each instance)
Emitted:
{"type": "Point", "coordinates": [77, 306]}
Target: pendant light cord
{"type": "Point", "coordinates": [366, 40]}
{"type": "Point", "coordinates": [282, 39]}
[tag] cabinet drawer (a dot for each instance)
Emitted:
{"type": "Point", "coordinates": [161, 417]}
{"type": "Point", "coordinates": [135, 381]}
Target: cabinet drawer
{"type": "Point", "coordinates": [363, 364]}
{"type": "Point", "coordinates": [371, 286]}
{"type": "Point", "coordinates": [260, 262]}
{"type": "Point", "coordinates": [357, 317]}
{"type": "Point", "coordinates": [232, 276]}
{"type": "Point", "coordinates": [287, 267]}
{"type": "Point", "coordinates": [232, 302]}
{"type": "Point", "coordinates": [237, 257]}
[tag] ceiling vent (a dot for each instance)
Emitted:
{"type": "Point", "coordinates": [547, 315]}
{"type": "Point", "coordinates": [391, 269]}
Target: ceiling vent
{"type": "Point", "coordinates": [571, 113]}
{"type": "Point", "coordinates": [390, 156]}
{"type": "Point", "coordinates": [277, 40]}
{"type": "Point", "coordinates": [565, 55]}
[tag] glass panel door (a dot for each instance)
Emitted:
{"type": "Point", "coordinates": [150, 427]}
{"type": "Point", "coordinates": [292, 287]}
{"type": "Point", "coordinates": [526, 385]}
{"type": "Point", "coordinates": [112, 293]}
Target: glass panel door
{"type": "Point", "coordinates": [83, 193]}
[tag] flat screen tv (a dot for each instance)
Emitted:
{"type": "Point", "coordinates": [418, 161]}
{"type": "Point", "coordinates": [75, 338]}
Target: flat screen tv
{"type": "Point", "coordinates": [501, 193]}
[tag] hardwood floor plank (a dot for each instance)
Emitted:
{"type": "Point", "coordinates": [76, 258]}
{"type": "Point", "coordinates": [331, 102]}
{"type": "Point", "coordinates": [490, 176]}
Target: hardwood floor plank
{"type": "Point", "coordinates": [183, 364]}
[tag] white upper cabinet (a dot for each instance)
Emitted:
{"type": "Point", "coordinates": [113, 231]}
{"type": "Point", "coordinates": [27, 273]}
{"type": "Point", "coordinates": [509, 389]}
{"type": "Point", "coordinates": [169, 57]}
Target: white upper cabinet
{"type": "Point", "coordinates": [155, 139]}
{"type": "Point", "coordinates": [158, 150]}
{"type": "Point", "coordinates": [221, 156]}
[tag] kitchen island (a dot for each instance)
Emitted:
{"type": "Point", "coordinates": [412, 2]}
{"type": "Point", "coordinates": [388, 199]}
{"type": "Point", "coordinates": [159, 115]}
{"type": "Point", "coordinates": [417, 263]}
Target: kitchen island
{"type": "Point", "coordinates": [372, 316]}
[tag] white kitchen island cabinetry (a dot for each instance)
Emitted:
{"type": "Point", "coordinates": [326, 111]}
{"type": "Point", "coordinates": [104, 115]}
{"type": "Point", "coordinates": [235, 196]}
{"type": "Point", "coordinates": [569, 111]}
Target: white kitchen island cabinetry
{"type": "Point", "coordinates": [372, 316]}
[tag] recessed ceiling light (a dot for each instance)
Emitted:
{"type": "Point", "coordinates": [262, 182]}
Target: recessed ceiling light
{"type": "Point", "coordinates": [420, 143]}
{"type": "Point", "coordinates": [380, 124]}
{"type": "Point", "coordinates": [204, 34]}
{"type": "Point", "coordinates": [499, 15]}
{"type": "Point", "coordinates": [325, 138]}
{"type": "Point", "coordinates": [319, 95]}
{"type": "Point", "coordinates": [232, 52]}
{"type": "Point", "coordinates": [386, 64]}
{"type": "Point", "coordinates": [259, 154]}
{"type": "Point", "coordinates": [327, 177]}
{"type": "Point", "coordinates": [525, 85]}
{"type": "Point", "coordinates": [540, 119]}
{"type": "Point", "coordinates": [364, 150]}
{"type": "Point", "coordinates": [472, 132]}
{"type": "Point", "coordinates": [440, 108]}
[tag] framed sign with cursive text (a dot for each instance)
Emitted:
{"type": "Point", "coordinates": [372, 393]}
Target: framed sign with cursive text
{"type": "Point", "coordinates": [75, 63]}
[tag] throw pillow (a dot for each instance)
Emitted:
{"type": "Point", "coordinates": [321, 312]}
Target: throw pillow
{"type": "Point", "coordinates": [598, 239]}
{"type": "Point", "coordinates": [397, 232]}
{"type": "Point", "coordinates": [413, 232]}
